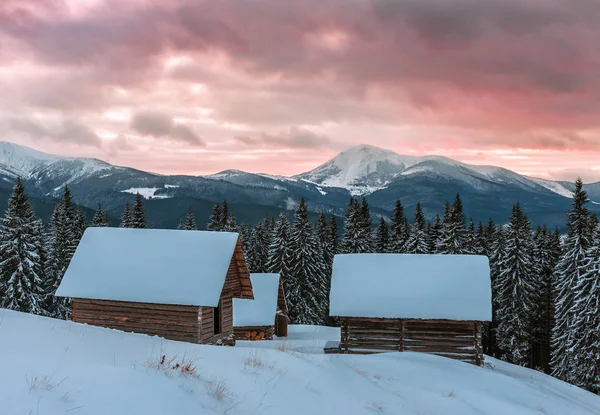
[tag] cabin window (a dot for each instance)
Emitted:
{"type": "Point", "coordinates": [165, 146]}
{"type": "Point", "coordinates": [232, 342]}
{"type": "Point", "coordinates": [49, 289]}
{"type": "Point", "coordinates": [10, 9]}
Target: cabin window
{"type": "Point", "coordinates": [217, 319]}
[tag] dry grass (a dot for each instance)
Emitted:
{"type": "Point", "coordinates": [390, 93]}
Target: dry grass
{"type": "Point", "coordinates": [217, 388]}
{"type": "Point", "coordinates": [376, 407]}
{"type": "Point", "coordinates": [449, 395]}
{"type": "Point", "coordinates": [255, 361]}
{"type": "Point", "coordinates": [168, 365]}
{"type": "Point", "coordinates": [42, 382]}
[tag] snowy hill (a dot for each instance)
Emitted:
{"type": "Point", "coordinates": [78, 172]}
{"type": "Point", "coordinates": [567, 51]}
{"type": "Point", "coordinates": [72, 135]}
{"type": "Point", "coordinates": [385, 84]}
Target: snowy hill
{"type": "Point", "coordinates": [58, 367]}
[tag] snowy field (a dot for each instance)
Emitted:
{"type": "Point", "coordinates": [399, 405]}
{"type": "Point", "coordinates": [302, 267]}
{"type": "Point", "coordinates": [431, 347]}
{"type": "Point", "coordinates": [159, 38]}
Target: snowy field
{"type": "Point", "coordinates": [56, 367]}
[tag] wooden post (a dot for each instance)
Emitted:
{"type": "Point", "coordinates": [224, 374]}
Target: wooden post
{"type": "Point", "coordinates": [346, 335]}
{"type": "Point", "coordinates": [402, 335]}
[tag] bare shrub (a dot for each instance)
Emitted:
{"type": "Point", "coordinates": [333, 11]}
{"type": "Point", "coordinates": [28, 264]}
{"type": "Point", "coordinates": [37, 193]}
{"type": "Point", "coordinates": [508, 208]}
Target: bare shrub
{"type": "Point", "coordinates": [255, 361]}
{"type": "Point", "coordinates": [217, 388]}
{"type": "Point", "coordinates": [184, 366]}
{"type": "Point", "coordinates": [42, 382]}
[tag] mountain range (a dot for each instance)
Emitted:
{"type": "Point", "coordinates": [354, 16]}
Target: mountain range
{"type": "Point", "coordinates": [381, 175]}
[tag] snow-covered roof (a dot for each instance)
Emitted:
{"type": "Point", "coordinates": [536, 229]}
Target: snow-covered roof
{"type": "Point", "coordinates": [260, 311]}
{"type": "Point", "coordinates": [449, 287]}
{"type": "Point", "coordinates": [150, 265]}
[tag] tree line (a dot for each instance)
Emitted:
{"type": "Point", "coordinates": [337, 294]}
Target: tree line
{"type": "Point", "coordinates": [545, 288]}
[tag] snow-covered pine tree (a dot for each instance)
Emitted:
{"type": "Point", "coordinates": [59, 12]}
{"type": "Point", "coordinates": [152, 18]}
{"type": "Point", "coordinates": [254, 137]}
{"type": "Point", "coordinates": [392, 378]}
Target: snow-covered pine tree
{"type": "Point", "coordinates": [470, 239]}
{"type": "Point", "coordinates": [245, 231]}
{"type": "Point", "coordinates": [334, 236]}
{"type": "Point", "coordinates": [79, 226]}
{"type": "Point", "coordinates": [585, 369]}
{"type": "Point", "coordinates": [497, 253]}
{"type": "Point", "coordinates": [366, 226]}
{"type": "Point", "coordinates": [138, 217]}
{"type": "Point", "coordinates": [21, 267]}
{"type": "Point", "coordinates": [181, 225]}
{"type": "Point", "coordinates": [214, 221]}
{"type": "Point", "coordinates": [305, 279]}
{"type": "Point", "coordinates": [418, 241]}
{"type": "Point", "coordinates": [278, 245]}
{"type": "Point", "coordinates": [190, 221]}
{"type": "Point", "coordinates": [382, 236]}
{"type": "Point", "coordinates": [224, 217]}
{"type": "Point", "coordinates": [567, 274]}
{"type": "Point", "coordinates": [351, 242]}
{"type": "Point", "coordinates": [126, 219]}
{"type": "Point", "coordinates": [62, 241]}
{"type": "Point", "coordinates": [454, 229]}
{"type": "Point", "coordinates": [516, 287]}
{"type": "Point", "coordinates": [259, 249]}
{"type": "Point", "coordinates": [399, 230]}
{"type": "Point", "coordinates": [231, 223]}
{"type": "Point", "coordinates": [100, 218]}
{"type": "Point", "coordinates": [481, 247]}
{"type": "Point", "coordinates": [434, 234]}
{"type": "Point", "coordinates": [323, 236]}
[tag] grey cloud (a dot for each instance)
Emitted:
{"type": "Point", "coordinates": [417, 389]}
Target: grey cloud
{"type": "Point", "coordinates": [295, 138]}
{"type": "Point", "coordinates": [65, 130]}
{"type": "Point", "coordinates": [158, 124]}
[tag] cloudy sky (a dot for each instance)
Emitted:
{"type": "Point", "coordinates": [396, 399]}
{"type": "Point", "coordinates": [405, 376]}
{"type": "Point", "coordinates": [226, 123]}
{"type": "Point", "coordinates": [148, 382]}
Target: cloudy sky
{"type": "Point", "coordinates": [198, 86]}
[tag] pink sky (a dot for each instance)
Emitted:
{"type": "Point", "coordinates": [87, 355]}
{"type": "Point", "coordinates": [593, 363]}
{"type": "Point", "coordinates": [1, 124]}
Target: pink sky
{"type": "Point", "coordinates": [198, 86]}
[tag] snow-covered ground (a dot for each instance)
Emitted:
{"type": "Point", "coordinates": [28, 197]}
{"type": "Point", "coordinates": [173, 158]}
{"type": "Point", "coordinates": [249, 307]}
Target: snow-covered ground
{"type": "Point", "coordinates": [56, 367]}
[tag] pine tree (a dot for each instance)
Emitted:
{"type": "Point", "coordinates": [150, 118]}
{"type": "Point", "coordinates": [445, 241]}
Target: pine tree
{"type": "Point", "coordinates": [399, 230]}
{"type": "Point", "coordinates": [481, 244]}
{"type": "Point", "coordinates": [21, 267]}
{"type": "Point", "coordinates": [126, 219]}
{"type": "Point", "coordinates": [278, 245]}
{"type": "Point", "coordinates": [334, 236]}
{"type": "Point", "coordinates": [382, 236]}
{"type": "Point", "coordinates": [231, 224]}
{"type": "Point", "coordinates": [567, 274]}
{"type": "Point", "coordinates": [353, 241]}
{"type": "Point", "coordinates": [100, 218]}
{"type": "Point", "coordinates": [323, 235]}
{"type": "Point", "coordinates": [418, 241]}
{"type": "Point", "coordinates": [305, 280]}
{"type": "Point", "coordinates": [585, 371]}
{"type": "Point", "coordinates": [259, 249]}
{"type": "Point", "coordinates": [181, 226]}
{"type": "Point", "coordinates": [454, 229]}
{"type": "Point", "coordinates": [366, 226]}
{"type": "Point", "coordinates": [138, 217]}
{"type": "Point", "coordinates": [434, 235]}
{"type": "Point", "coordinates": [215, 220]}
{"type": "Point", "coordinates": [497, 254]}
{"type": "Point", "coordinates": [470, 239]}
{"type": "Point", "coordinates": [516, 287]}
{"type": "Point", "coordinates": [79, 226]}
{"type": "Point", "coordinates": [224, 217]}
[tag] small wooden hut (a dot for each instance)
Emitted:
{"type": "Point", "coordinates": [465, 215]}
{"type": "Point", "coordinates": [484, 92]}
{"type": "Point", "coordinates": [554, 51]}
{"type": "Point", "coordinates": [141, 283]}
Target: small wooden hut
{"type": "Point", "coordinates": [175, 284]}
{"type": "Point", "coordinates": [420, 303]}
{"type": "Point", "coordinates": [266, 315]}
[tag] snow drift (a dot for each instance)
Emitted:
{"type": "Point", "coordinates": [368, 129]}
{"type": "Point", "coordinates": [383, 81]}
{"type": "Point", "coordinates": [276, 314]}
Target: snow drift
{"type": "Point", "coordinates": [57, 367]}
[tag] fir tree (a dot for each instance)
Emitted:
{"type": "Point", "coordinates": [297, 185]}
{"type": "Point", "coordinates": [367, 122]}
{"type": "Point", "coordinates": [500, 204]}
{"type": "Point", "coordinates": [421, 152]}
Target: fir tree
{"type": "Point", "coordinates": [278, 246]}
{"type": "Point", "coordinates": [63, 238]}
{"type": "Point", "coordinates": [470, 239]}
{"type": "Point", "coordinates": [79, 226]}
{"type": "Point", "coordinates": [516, 288]}
{"type": "Point", "coordinates": [366, 226]}
{"type": "Point", "coordinates": [215, 220]}
{"type": "Point", "coordinates": [231, 224]}
{"type": "Point", "coordinates": [181, 226]}
{"type": "Point", "coordinates": [399, 230]}
{"type": "Point", "coordinates": [567, 274]}
{"type": "Point", "coordinates": [259, 249]}
{"type": "Point", "coordinates": [100, 218]}
{"type": "Point", "coordinates": [304, 277]}
{"type": "Point", "coordinates": [585, 369]}
{"type": "Point", "coordinates": [497, 254]}
{"type": "Point", "coordinates": [334, 236]}
{"type": "Point", "coordinates": [418, 241]}
{"type": "Point", "coordinates": [324, 236]}
{"type": "Point", "coordinates": [382, 236]}
{"type": "Point", "coordinates": [224, 217]}
{"type": "Point", "coordinates": [126, 219]}
{"type": "Point", "coordinates": [481, 243]}
{"type": "Point", "coordinates": [353, 241]}
{"type": "Point", "coordinates": [21, 267]}
{"type": "Point", "coordinates": [454, 229]}
{"type": "Point", "coordinates": [138, 217]}
{"type": "Point", "coordinates": [434, 235]}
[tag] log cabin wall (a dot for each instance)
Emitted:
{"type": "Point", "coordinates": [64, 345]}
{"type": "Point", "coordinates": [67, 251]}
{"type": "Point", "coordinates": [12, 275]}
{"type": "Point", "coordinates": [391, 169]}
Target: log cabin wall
{"type": "Point", "coordinates": [240, 333]}
{"type": "Point", "coordinates": [459, 340]}
{"type": "Point", "coordinates": [174, 322]}
{"type": "Point", "coordinates": [207, 335]}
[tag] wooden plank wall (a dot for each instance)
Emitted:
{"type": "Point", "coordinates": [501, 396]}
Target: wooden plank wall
{"type": "Point", "coordinates": [459, 340]}
{"type": "Point", "coordinates": [240, 332]}
{"type": "Point", "coordinates": [173, 322]}
{"type": "Point", "coordinates": [207, 335]}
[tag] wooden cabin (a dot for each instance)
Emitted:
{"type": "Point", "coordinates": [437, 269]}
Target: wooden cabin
{"type": "Point", "coordinates": [266, 315]}
{"type": "Point", "coordinates": [419, 303]}
{"type": "Point", "coordinates": [179, 285]}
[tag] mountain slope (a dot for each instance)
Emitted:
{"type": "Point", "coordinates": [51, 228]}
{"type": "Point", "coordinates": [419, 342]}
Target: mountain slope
{"type": "Point", "coordinates": [60, 367]}
{"type": "Point", "coordinates": [382, 175]}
